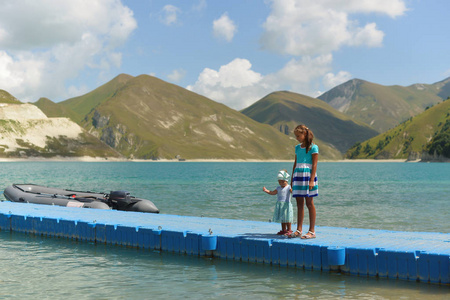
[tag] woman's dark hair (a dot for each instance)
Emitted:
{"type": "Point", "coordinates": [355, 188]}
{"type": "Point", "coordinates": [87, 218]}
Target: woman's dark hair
{"type": "Point", "coordinates": [308, 137]}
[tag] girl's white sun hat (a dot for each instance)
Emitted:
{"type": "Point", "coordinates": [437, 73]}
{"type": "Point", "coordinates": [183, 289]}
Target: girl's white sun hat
{"type": "Point", "coordinates": [283, 175]}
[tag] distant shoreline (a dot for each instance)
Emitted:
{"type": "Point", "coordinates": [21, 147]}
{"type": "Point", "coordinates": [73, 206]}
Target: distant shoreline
{"type": "Point", "coordinates": [114, 159]}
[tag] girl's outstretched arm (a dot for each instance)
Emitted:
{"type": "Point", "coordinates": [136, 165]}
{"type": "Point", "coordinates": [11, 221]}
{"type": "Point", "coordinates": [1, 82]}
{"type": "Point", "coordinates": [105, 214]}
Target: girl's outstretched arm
{"type": "Point", "coordinates": [274, 192]}
{"type": "Point", "coordinates": [315, 159]}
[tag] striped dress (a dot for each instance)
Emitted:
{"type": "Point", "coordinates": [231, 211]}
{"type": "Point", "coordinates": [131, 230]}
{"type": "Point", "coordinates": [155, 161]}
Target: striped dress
{"type": "Point", "coordinates": [302, 173]}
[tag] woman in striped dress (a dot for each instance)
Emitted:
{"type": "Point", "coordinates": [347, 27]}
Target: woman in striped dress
{"type": "Point", "coordinates": [304, 179]}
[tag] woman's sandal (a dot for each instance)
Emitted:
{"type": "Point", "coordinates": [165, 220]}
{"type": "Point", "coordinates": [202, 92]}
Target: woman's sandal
{"type": "Point", "coordinates": [288, 233]}
{"type": "Point", "coordinates": [295, 234]}
{"type": "Point", "coordinates": [281, 232]}
{"type": "Point", "coordinates": [309, 235]}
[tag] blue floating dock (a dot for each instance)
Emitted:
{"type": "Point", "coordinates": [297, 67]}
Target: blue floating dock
{"type": "Point", "coordinates": [413, 256]}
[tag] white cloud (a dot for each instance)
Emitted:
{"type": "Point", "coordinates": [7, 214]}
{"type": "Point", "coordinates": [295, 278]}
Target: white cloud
{"type": "Point", "coordinates": [201, 5]}
{"type": "Point", "coordinates": [177, 75]}
{"type": "Point", "coordinates": [322, 26]}
{"type": "Point", "coordinates": [234, 84]}
{"type": "Point", "coordinates": [305, 70]}
{"type": "Point", "coordinates": [331, 80]}
{"type": "Point", "coordinates": [46, 43]}
{"type": "Point", "coordinates": [369, 36]}
{"type": "Point", "coordinates": [7, 78]}
{"type": "Point", "coordinates": [169, 14]}
{"type": "Point", "coordinates": [307, 30]}
{"type": "Point", "coordinates": [41, 24]}
{"type": "Point", "coordinates": [224, 28]}
{"type": "Point", "coordinates": [238, 86]}
{"type": "Point", "coordinates": [310, 31]}
{"type": "Point", "coordinates": [20, 73]}
{"type": "Point", "coordinates": [392, 8]}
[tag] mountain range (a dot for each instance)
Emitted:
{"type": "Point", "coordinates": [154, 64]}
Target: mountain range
{"type": "Point", "coordinates": [384, 107]}
{"type": "Point", "coordinates": [147, 118]}
{"type": "Point", "coordinates": [285, 110]}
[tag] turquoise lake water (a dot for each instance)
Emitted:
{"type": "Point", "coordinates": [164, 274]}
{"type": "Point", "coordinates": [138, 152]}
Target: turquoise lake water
{"type": "Point", "coordinates": [390, 196]}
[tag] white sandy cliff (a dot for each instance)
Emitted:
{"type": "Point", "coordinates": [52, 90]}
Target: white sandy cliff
{"type": "Point", "coordinates": [29, 124]}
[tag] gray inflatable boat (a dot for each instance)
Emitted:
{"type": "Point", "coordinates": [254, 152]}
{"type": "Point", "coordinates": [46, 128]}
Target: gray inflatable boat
{"type": "Point", "coordinates": [119, 200]}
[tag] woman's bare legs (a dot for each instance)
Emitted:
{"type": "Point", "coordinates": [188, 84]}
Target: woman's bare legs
{"type": "Point", "coordinates": [312, 213]}
{"type": "Point", "coordinates": [300, 212]}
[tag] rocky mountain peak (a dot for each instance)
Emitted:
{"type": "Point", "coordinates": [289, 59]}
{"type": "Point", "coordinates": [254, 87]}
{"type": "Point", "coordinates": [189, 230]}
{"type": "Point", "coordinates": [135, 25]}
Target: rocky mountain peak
{"type": "Point", "coordinates": [340, 97]}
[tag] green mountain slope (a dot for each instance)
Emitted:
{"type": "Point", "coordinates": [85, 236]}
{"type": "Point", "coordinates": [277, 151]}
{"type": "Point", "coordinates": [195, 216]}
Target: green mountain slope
{"type": "Point", "coordinates": [145, 117]}
{"type": "Point", "coordinates": [439, 147]}
{"type": "Point", "coordinates": [332, 129]}
{"type": "Point", "coordinates": [441, 88]}
{"type": "Point", "coordinates": [407, 140]}
{"type": "Point", "coordinates": [6, 97]}
{"type": "Point", "coordinates": [383, 107]}
{"type": "Point", "coordinates": [84, 104]}
{"type": "Point", "coordinates": [54, 110]}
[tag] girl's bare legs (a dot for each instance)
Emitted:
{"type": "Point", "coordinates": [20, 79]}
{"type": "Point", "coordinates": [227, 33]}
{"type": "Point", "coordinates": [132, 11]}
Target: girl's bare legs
{"type": "Point", "coordinates": [312, 213]}
{"type": "Point", "coordinates": [300, 212]}
{"type": "Point", "coordinates": [286, 226]}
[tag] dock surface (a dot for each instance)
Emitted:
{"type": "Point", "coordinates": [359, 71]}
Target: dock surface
{"type": "Point", "coordinates": [413, 256]}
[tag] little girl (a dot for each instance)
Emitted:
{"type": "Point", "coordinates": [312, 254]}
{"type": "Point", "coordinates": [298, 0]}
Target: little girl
{"type": "Point", "coordinates": [304, 179]}
{"type": "Point", "coordinates": [283, 209]}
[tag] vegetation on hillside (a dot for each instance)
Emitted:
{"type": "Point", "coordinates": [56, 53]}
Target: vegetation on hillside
{"type": "Point", "coordinates": [53, 110]}
{"type": "Point", "coordinates": [84, 104]}
{"type": "Point", "coordinates": [6, 97]}
{"type": "Point", "coordinates": [426, 132]}
{"type": "Point", "coordinates": [440, 144]}
{"type": "Point", "coordinates": [85, 145]}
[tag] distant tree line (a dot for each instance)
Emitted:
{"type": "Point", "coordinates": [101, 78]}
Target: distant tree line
{"type": "Point", "coordinates": [368, 150]}
{"type": "Point", "coordinates": [440, 144]}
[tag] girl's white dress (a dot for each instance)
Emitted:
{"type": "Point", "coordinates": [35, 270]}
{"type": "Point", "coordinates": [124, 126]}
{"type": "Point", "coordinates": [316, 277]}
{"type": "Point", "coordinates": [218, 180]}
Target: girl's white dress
{"type": "Point", "coordinates": [284, 213]}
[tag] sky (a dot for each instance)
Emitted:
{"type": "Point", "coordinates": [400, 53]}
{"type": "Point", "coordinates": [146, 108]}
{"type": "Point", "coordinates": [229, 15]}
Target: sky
{"type": "Point", "coordinates": [234, 52]}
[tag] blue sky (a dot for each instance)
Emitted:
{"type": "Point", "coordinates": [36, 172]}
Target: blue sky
{"type": "Point", "coordinates": [234, 51]}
